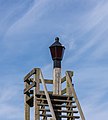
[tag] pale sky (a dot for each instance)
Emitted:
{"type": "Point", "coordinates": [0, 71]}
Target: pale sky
{"type": "Point", "coordinates": [29, 27]}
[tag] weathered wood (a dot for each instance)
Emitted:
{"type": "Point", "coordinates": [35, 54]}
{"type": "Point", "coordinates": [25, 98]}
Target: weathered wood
{"type": "Point", "coordinates": [47, 96]}
{"type": "Point", "coordinates": [56, 100]}
{"type": "Point", "coordinates": [62, 116]}
{"type": "Point", "coordinates": [29, 87]}
{"type": "Point", "coordinates": [47, 81]}
{"type": "Point", "coordinates": [30, 74]}
{"type": "Point", "coordinates": [57, 81]}
{"type": "Point", "coordinates": [26, 105]}
{"type": "Point", "coordinates": [63, 91]}
{"type": "Point", "coordinates": [66, 116]}
{"type": "Point", "coordinates": [69, 92]}
{"type": "Point", "coordinates": [63, 97]}
{"type": "Point", "coordinates": [36, 90]}
{"type": "Point", "coordinates": [68, 86]}
{"type": "Point", "coordinates": [75, 96]}
{"type": "Point", "coordinates": [64, 111]}
{"type": "Point", "coordinates": [48, 101]}
{"type": "Point", "coordinates": [58, 105]}
{"type": "Point", "coordinates": [49, 92]}
{"type": "Point", "coordinates": [63, 79]}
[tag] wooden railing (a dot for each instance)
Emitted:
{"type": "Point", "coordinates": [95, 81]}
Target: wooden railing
{"type": "Point", "coordinates": [69, 81]}
{"type": "Point", "coordinates": [32, 87]}
{"type": "Point", "coordinates": [47, 97]}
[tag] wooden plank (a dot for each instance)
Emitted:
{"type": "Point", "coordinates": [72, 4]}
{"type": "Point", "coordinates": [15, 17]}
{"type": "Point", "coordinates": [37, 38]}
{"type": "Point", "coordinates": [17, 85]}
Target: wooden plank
{"type": "Point", "coordinates": [75, 96]}
{"type": "Point", "coordinates": [29, 87]}
{"type": "Point", "coordinates": [71, 73]}
{"type": "Point", "coordinates": [55, 96]}
{"type": "Point", "coordinates": [69, 106]}
{"type": "Point", "coordinates": [33, 71]}
{"type": "Point", "coordinates": [63, 91]}
{"type": "Point", "coordinates": [66, 116]}
{"type": "Point", "coordinates": [56, 100]}
{"type": "Point", "coordinates": [58, 105]}
{"type": "Point", "coordinates": [47, 96]}
{"type": "Point", "coordinates": [57, 81]}
{"type": "Point", "coordinates": [42, 92]}
{"type": "Point", "coordinates": [69, 92]}
{"type": "Point", "coordinates": [62, 116]}
{"type": "Point", "coordinates": [47, 81]}
{"type": "Point", "coordinates": [64, 111]}
{"type": "Point", "coordinates": [26, 105]}
{"type": "Point", "coordinates": [36, 90]}
{"type": "Point", "coordinates": [63, 79]}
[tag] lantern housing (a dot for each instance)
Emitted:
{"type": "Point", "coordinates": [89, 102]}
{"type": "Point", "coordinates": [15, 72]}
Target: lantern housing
{"type": "Point", "coordinates": [57, 51]}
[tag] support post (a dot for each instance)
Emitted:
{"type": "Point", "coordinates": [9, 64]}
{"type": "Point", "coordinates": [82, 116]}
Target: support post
{"type": "Point", "coordinates": [57, 81]}
{"type": "Point", "coordinates": [36, 91]}
{"type": "Point", "coordinates": [68, 86]}
{"type": "Point", "coordinates": [75, 96]}
{"type": "Point", "coordinates": [69, 92]}
{"type": "Point", "coordinates": [26, 106]}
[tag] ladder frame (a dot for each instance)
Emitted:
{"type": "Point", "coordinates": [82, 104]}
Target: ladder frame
{"type": "Point", "coordinates": [32, 83]}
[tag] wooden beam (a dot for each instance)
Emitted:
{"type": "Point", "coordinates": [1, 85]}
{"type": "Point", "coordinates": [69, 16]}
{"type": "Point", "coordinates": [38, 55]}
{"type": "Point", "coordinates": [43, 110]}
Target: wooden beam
{"type": "Point", "coordinates": [50, 92]}
{"type": "Point", "coordinates": [47, 81]}
{"type": "Point", "coordinates": [30, 74]}
{"type": "Point", "coordinates": [26, 105]}
{"type": "Point", "coordinates": [74, 95]}
{"type": "Point", "coordinates": [47, 97]}
{"type": "Point", "coordinates": [29, 87]}
{"type": "Point", "coordinates": [63, 91]}
{"type": "Point", "coordinates": [63, 79]}
{"type": "Point", "coordinates": [36, 90]}
{"type": "Point", "coordinates": [57, 81]}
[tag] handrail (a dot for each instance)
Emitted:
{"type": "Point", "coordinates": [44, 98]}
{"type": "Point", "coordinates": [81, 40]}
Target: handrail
{"type": "Point", "coordinates": [75, 96]}
{"type": "Point", "coordinates": [63, 79]}
{"type": "Point", "coordinates": [47, 96]}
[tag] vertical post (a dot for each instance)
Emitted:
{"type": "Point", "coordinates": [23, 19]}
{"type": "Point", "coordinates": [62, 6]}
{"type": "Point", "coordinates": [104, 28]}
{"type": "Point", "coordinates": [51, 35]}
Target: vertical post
{"type": "Point", "coordinates": [68, 86]}
{"type": "Point", "coordinates": [69, 92]}
{"type": "Point", "coordinates": [57, 81]}
{"type": "Point", "coordinates": [26, 106]}
{"type": "Point", "coordinates": [75, 96]}
{"type": "Point", "coordinates": [36, 91]}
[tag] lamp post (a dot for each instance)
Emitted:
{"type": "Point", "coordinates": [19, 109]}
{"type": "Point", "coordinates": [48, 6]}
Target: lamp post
{"type": "Point", "coordinates": [57, 51]}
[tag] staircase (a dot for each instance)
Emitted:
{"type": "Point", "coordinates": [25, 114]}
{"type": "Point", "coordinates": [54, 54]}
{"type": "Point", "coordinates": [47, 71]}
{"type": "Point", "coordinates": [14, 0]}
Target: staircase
{"type": "Point", "coordinates": [48, 106]}
{"type": "Point", "coordinates": [62, 105]}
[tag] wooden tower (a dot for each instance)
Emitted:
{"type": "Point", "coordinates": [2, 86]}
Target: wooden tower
{"type": "Point", "coordinates": [58, 104]}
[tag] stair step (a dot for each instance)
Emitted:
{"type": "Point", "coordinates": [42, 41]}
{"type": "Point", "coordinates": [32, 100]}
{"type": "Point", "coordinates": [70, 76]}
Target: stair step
{"type": "Point", "coordinates": [66, 116]}
{"type": "Point", "coordinates": [58, 105]}
{"type": "Point", "coordinates": [67, 106]}
{"type": "Point", "coordinates": [52, 96]}
{"type": "Point", "coordinates": [64, 111]}
{"type": "Point", "coordinates": [56, 100]}
{"type": "Point", "coordinates": [61, 116]}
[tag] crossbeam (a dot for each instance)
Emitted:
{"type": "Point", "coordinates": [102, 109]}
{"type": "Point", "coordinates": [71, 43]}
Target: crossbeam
{"type": "Point", "coordinates": [29, 87]}
{"type": "Point", "coordinates": [33, 71]}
